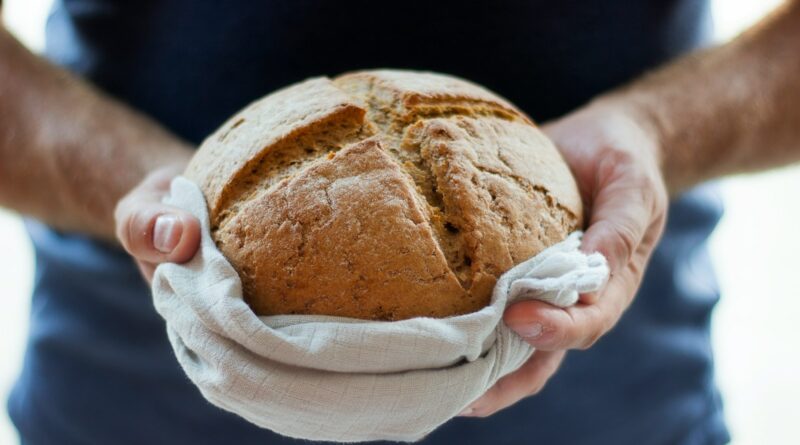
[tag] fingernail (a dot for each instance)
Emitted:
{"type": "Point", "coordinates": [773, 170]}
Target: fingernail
{"type": "Point", "coordinates": [166, 233]}
{"type": "Point", "coordinates": [467, 411]}
{"type": "Point", "coordinates": [530, 331]}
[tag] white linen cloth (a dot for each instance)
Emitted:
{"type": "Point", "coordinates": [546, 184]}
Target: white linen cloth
{"type": "Point", "coordinates": [341, 379]}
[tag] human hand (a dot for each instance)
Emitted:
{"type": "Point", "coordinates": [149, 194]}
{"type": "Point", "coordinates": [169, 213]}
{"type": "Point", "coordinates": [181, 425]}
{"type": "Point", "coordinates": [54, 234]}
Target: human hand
{"type": "Point", "coordinates": [615, 157]}
{"type": "Point", "coordinates": [153, 232]}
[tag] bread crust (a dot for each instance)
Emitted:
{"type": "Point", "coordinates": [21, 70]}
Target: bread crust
{"type": "Point", "coordinates": [381, 195]}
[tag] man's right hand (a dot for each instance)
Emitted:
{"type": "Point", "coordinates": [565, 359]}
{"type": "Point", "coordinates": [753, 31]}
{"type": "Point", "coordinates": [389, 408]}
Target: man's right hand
{"type": "Point", "coordinates": [151, 231]}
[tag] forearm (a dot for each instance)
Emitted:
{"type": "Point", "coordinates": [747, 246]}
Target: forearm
{"type": "Point", "coordinates": [67, 152]}
{"type": "Point", "coordinates": [729, 109]}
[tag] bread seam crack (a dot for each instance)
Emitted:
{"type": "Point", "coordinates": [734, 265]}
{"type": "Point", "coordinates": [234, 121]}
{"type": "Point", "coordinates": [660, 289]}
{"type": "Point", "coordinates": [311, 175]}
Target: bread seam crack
{"type": "Point", "coordinates": [393, 124]}
{"type": "Point", "coordinates": [254, 178]}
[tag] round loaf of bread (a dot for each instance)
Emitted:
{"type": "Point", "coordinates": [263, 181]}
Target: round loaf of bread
{"type": "Point", "coordinates": [381, 195]}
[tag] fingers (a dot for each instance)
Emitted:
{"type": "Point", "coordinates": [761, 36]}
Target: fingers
{"type": "Point", "coordinates": [628, 214]}
{"type": "Point", "coordinates": [547, 327]}
{"type": "Point", "coordinates": [153, 232]}
{"type": "Point", "coordinates": [524, 382]}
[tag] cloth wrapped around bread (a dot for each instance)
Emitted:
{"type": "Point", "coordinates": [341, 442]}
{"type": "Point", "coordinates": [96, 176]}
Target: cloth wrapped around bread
{"type": "Point", "coordinates": [381, 195]}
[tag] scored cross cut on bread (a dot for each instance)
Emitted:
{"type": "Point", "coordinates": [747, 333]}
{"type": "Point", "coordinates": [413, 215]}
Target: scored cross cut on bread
{"type": "Point", "coordinates": [381, 195]}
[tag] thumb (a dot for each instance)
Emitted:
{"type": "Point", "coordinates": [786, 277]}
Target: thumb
{"type": "Point", "coordinates": [156, 233]}
{"type": "Point", "coordinates": [153, 232]}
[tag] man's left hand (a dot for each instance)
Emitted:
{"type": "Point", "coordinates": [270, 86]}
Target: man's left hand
{"type": "Point", "coordinates": [615, 158]}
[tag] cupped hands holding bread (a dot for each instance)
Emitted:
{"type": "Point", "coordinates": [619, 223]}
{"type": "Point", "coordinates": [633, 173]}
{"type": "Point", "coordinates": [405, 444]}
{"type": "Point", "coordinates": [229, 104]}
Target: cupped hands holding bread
{"type": "Point", "coordinates": [388, 195]}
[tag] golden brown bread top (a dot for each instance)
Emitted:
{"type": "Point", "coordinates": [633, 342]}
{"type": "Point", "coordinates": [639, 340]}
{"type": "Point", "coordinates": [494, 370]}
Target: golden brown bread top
{"type": "Point", "coordinates": [381, 195]}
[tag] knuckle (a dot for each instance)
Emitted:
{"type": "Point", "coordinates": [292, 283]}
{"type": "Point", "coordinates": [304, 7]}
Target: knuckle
{"type": "Point", "coordinates": [624, 238]}
{"type": "Point", "coordinates": [662, 195]}
{"type": "Point", "coordinates": [643, 181]}
{"type": "Point", "coordinates": [559, 336]}
{"type": "Point", "coordinates": [659, 196]}
{"type": "Point", "coordinates": [500, 387]}
{"type": "Point", "coordinates": [609, 323]}
{"type": "Point", "coordinates": [615, 155]}
{"type": "Point", "coordinates": [119, 209]}
{"type": "Point", "coordinates": [590, 340]}
{"type": "Point", "coordinates": [562, 335]}
{"type": "Point", "coordinates": [125, 224]}
{"type": "Point", "coordinates": [660, 213]}
{"type": "Point", "coordinates": [598, 327]}
{"type": "Point", "coordinates": [138, 227]}
{"type": "Point", "coordinates": [122, 211]}
{"type": "Point", "coordinates": [650, 190]}
{"type": "Point", "coordinates": [484, 413]}
{"type": "Point", "coordinates": [119, 221]}
{"type": "Point", "coordinates": [537, 386]}
{"type": "Point", "coordinates": [126, 215]}
{"type": "Point", "coordinates": [614, 163]}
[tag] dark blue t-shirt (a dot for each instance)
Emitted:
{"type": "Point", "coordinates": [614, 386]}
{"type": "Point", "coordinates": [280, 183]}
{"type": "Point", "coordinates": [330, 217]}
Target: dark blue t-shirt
{"type": "Point", "coordinates": [98, 367]}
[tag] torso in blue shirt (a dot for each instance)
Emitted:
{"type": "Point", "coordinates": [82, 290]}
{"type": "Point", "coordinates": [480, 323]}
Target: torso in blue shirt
{"type": "Point", "coordinates": [98, 367]}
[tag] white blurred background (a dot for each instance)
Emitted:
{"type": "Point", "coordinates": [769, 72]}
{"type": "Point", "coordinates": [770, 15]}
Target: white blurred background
{"type": "Point", "coordinates": [755, 249]}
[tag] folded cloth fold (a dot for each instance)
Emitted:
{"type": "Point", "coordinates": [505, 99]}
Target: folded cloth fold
{"type": "Point", "coordinates": [346, 380]}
